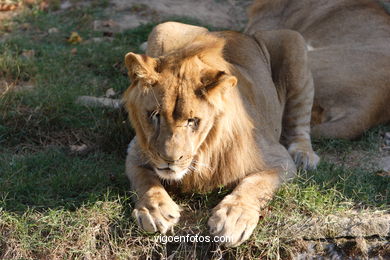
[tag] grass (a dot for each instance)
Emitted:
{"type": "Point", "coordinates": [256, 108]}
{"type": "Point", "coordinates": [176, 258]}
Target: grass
{"type": "Point", "coordinates": [58, 204]}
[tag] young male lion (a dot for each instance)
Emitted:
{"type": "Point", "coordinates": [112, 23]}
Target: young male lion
{"type": "Point", "coordinates": [349, 55]}
{"type": "Point", "coordinates": [210, 109]}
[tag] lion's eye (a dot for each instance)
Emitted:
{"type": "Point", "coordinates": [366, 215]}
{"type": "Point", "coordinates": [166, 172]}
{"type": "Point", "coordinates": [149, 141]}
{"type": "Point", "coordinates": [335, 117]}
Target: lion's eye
{"type": "Point", "coordinates": [193, 122]}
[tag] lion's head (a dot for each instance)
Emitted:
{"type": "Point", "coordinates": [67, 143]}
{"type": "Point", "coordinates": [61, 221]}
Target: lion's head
{"type": "Point", "coordinates": [175, 101]}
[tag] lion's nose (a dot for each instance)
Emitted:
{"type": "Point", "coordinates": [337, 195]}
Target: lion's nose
{"type": "Point", "coordinates": [170, 158]}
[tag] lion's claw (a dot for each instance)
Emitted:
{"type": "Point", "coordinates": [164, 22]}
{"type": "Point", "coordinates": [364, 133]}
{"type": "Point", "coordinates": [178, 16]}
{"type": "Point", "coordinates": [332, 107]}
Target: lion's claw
{"type": "Point", "coordinates": [303, 157]}
{"type": "Point", "coordinates": [154, 215]}
{"type": "Point", "coordinates": [234, 220]}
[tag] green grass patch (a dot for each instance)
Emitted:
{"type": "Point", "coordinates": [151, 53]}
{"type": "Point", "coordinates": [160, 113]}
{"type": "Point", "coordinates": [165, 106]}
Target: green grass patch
{"type": "Point", "coordinates": [59, 77]}
{"type": "Point", "coordinates": [55, 179]}
{"type": "Point", "coordinates": [55, 204]}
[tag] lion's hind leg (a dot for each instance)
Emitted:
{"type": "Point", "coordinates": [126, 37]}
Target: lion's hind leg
{"type": "Point", "coordinates": [348, 126]}
{"type": "Point", "coordinates": [294, 83]}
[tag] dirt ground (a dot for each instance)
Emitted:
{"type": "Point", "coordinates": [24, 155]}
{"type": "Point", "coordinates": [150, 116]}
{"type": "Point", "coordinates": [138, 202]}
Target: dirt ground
{"type": "Point", "coordinates": [127, 14]}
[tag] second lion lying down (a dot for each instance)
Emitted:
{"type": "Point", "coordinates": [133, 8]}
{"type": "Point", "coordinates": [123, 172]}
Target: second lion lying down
{"type": "Point", "coordinates": [212, 109]}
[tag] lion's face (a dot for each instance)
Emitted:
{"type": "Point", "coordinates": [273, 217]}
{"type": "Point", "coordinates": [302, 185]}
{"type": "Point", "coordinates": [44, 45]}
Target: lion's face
{"type": "Point", "coordinates": [173, 111]}
{"type": "Point", "coordinates": [174, 125]}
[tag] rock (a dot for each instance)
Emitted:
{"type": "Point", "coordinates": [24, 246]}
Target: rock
{"type": "Point", "coordinates": [384, 164]}
{"type": "Point", "coordinates": [78, 148]}
{"type": "Point", "coordinates": [99, 40]}
{"type": "Point", "coordinates": [353, 224]}
{"type": "Point", "coordinates": [53, 30]}
{"type": "Point", "coordinates": [110, 93]}
{"type": "Point", "coordinates": [99, 102]}
{"type": "Point", "coordinates": [143, 46]}
{"type": "Point", "coordinates": [81, 149]}
{"type": "Point", "coordinates": [352, 235]}
{"type": "Point", "coordinates": [221, 14]}
{"type": "Point", "coordinates": [387, 139]}
{"type": "Point", "coordinates": [65, 5]}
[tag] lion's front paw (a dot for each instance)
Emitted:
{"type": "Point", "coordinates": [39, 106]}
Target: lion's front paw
{"type": "Point", "coordinates": [156, 213]}
{"type": "Point", "coordinates": [233, 219]}
{"type": "Point", "coordinates": [303, 157]}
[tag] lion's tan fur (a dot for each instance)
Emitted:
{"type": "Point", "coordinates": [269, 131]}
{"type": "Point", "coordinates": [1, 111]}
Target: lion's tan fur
{"type": "Point", "coordinates": [229, 81]}
{"type": "Point", "coordinates": [349, 54]}
{"type": "Point", "coordinates": [231, 137]}
{"type": "Point", "coordinates": [226, 108]}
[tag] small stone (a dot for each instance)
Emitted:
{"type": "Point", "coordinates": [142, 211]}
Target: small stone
{"type": "Point", "coordinates": [100, 39]}
{"type": "Point", "coordinates": [65, 5]}
{"type": "Point", "coordinates": [384, 164]}
{"type": "Point", "coordinates": [387, 138]}
{"type": "Point", "coordinates": [97, 39]}
{"type": "Point", "coordinates": [110, 92]}
{"type": "Point", "coordinates": [78, 148]}
{"type": "Point", "coordinates": [143, 46]}
{"type": "Point", "coordinates": [52, 30]}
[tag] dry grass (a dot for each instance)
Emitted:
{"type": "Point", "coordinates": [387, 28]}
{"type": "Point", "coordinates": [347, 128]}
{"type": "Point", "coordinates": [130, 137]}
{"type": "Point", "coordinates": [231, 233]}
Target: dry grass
{"type": "Point", "coordinates": [59, 204]}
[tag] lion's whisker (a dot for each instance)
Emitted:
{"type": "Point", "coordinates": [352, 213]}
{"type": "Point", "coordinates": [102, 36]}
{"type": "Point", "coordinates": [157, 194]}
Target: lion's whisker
{"type": "Point", "coordinates": [197, 163]}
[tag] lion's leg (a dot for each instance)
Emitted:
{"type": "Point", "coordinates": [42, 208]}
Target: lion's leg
{"type": "Point", "coordinates": [170, 36]}
{"type": "Point", "coordinates": [294, 82]}
{"type": "Point", "coordinates": [154, 209]}
{"type": "Point", "coordinates": [237, 215]}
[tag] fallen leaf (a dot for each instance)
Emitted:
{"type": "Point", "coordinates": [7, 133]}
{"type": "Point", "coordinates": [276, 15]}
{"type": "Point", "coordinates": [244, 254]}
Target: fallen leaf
{"type": "Point", "coordinates": [74, 38]}
{"type": "Point", "coordinates": [73, 51]}
{"type": "Point", "coordinates": [383, 174]}
{"type": "Point", "coordinates": [8, 7]}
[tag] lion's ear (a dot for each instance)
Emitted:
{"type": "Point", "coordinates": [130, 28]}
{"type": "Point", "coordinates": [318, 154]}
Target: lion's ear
{"type": "Point", "coordinates": [217, 81]}
{"type": "Point", "coordinates": [141, 67]}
